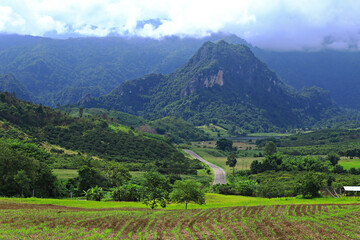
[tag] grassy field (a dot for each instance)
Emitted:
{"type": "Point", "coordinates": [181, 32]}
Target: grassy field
{"type": "Point", "coordinates": [269, 134]}
{"type": "Point", "coordinates": [348, 163]}
{"type": "Point", "coordinates": [66, 173]}
{"type": "Point", "coordinates": [242, 162]}
{"type": "Point", "coordinates": [214, 131]}
{"type": "Point", "coordinates": [240, 145]}
{"type": "Point", "coordinates": [233, 217]}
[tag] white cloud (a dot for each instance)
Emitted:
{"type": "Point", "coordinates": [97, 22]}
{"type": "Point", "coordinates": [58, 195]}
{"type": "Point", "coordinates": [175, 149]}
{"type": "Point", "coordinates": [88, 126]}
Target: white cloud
{"type": "Point", "coordinates": [280, 24]}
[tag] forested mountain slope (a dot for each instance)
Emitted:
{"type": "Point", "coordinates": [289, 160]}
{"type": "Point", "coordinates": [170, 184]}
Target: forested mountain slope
{"type": "Point", "coordinates": [221, 83]}
{"type": "Point", "coordinates": [55, 72]}
{"type": "Point", "coordinates": [93, 136]}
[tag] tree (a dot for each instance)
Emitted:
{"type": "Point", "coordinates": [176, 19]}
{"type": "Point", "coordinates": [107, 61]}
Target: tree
{"type": "Point", "coordinates": [127, 192]}
{"type": "Point", "coordinates": [310, 184]}
{"type": "Point", "coordinates": [270, 148]}
{"type": "Point", "coordinates": [224, 144]}
{"type": "Point", "coordinates": [23, 168]}
{"type": "Point", "coordinates": [116, 173]}
{"type": "Point", "coordinates": [156, 190]}
{"type": "Point", "coordinates": [81, 112]}
{"type": "Point", "coordinates": [333, 158]}
{"type": "Point", "coordinates": [187, 191]}
{"type": "Point", "coordinates": [231, 162]}
{"type": "Point", "coordinates": [89, 177]}
{"type": "Point", "coordinates": [22, 181]}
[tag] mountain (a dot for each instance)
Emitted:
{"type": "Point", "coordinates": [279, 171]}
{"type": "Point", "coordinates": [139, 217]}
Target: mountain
{"type": "Point", "coordinates": [58, 71]}
{"type": "Point", "coordinates": [335, 71]}
{"type": "Point", "coordinates": [62, 71]}
{"type": "Point", "coordinates": [223, 84]}
{"type": "Point", "coordinates": [9, 83]}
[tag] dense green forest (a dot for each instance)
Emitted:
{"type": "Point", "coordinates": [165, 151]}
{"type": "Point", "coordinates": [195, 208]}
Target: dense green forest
{"type": "Point", "coordinates": [179, 130]}
{"type": "Point", "coordinates": [92, 135]}
{"type": "Point", "coordinates": [210, 88]}
{"type": "Point", "coordinates": [319, 142]}
{"type": "Point", "coordinates": [174, 129]}
{"type": "Point", "coordinates": [55, 72]}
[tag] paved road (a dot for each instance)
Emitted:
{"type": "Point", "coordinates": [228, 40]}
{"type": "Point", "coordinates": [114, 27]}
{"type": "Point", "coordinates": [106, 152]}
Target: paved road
{"type": "Point", "coordinates": [219, 173]}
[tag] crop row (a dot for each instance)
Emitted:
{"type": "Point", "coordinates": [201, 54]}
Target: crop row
{"type": "Point", "coordinates": [265, 222]}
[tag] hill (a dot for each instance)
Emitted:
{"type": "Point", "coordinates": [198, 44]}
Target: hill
{"type": "Point", "coordinates": [91, 136]}
{"type": "Point", "coordinates": [223, 84]}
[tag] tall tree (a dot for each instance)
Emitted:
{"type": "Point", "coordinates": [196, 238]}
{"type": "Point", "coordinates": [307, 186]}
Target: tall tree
{"type": "Point", "coordinates": [156, 190]}
{"type": "Point", "coordinates": [187, 191]}
{"type": "Point", "coordinates": [231, 162]}
{"type": "Point", "coordinates": [224, 144]}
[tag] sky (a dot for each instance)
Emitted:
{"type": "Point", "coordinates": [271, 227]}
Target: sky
{"type": "Point", "coordinates": [270, 24]}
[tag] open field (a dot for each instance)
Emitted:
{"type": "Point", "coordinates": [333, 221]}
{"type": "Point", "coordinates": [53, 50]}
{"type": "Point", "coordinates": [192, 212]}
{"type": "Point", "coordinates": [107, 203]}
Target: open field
{"type": "Point", "coordinates": [240, 145]}
{"type": "Point", "coordinates": [66, 173]}
{"type": "Point", "coordinates": [317, 218]}
{"type": "Point", "coordinates": [348, 163]}
{"type": "Point", "coordinates": [274, 134]}
{"type": "Point", "coordinates": [242, 162]}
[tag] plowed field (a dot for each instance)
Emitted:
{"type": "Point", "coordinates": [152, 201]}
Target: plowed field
{"type": "Point", "coordinates": [323, 221]}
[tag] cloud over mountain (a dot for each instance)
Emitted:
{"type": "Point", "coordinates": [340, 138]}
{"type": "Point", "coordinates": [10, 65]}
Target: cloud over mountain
{"type": "Point", "coordinates": [275, 24]}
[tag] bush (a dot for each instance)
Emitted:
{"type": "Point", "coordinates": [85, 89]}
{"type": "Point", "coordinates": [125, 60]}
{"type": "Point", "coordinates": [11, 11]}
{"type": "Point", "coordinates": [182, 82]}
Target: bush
{"type": "Point", "coordinates": [96, 193]}
{"type": "Point", "coordinates": [127, 192]}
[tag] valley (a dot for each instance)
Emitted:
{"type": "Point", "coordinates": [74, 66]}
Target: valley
{"type": "Point", "coordinates": [103, 139]}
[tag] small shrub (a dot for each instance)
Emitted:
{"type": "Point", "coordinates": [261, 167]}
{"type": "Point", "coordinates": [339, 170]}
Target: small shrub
{"type": "Point", "coordinates": [96, 193]}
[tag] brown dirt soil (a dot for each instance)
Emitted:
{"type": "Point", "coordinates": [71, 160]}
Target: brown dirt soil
{"type": "Point", "coordinates": [58, 207]}
{"type": "Point", "coordinates": [256, 221]}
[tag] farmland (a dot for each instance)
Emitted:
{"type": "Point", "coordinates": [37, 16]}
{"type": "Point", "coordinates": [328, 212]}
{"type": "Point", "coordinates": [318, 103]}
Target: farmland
{"type": "Point", "coordinates": [241, 219]}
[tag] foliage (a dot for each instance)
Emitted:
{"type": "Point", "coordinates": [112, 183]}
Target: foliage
{"type": "Point", "coordinates": [231, 162]}
{"type": "Point", "coordinates": [93, 136]}
{"type": "Point", "coordinates": [240, 186]}
{"type": "Point", "coordinates": [270, 148]}
{"type": "Point", "coordinates": [333, 158]}
{"type": "Point", "coordinates": [116, 174]}
{"type": "Point", "coordinates": [236, 105]}
{"type": "Point", "coordinates": [179, 130]}
{"type": "Point", "coordinates": [278, 162]}
{"type": "Point", "coordinates": [89, 177]}
{"type": "Point", "coordinates": [321, 142]}
{"type": "Point", "coordinates": [187, 191]}
{"type": "Point", "coordinates": [310, 184]}
{"type": "Point", "coordinates": [156, 190]}
{"type": "Point", "coordinates": [95, 193]}
{"type": "Point", "coordinates": [127, 192]}
{"type": "Point", "coordinates": [21, 172]}
{"type": "Point", "coordinates": [224, 144]}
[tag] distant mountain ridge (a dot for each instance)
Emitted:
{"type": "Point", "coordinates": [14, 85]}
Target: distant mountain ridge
{"type": "Point", "coordinates": [61, 71]}
{"type": "Point", "coordinates": [223, 83]}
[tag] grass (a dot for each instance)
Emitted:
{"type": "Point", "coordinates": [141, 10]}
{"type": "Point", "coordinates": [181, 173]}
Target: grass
{"type": "Point", "coordinates": [213, 200]}
{"type": "Point", "coordinates": [122, 128]}
{"type": "Point", "coordinates": [214, 131]}
{"type": "Point", "coordinates": [66, 173]}
{"type": "Point", "coordinates": [242, 162]}
{"type": "Point", "coordinates": [348, 163]}
{"type": "Point", "coordinates": [223, 217]}
{"type": "Point", "coordinates": [269, 134]}
{"type": "Point", "coordinates": [240, 145]}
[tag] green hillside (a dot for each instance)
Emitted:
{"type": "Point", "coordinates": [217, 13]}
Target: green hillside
{"type": "Point", "coordinates": [93, 136]}
{"type": "Point", "coordinates": [222, 84]}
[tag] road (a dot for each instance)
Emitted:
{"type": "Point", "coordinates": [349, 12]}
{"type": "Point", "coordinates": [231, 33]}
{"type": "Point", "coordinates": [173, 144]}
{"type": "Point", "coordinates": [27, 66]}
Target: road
{"type": "Point", "coordinates": [219, 173]}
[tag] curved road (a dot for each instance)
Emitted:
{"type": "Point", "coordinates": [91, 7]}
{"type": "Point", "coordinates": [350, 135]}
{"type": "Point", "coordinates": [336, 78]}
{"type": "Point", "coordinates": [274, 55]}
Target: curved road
{"type": "Point", "coordinates": [219, 173]}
